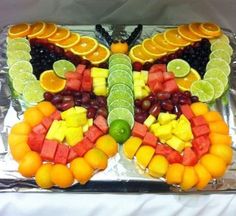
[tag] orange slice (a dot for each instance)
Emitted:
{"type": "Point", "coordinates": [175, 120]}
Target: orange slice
{"type": "Point", "coordinates": [49, 81]}
{"type": "Point", "coordinates": [70, 41]}
{"type": "Point", "coordinates": [136, 54]}
{"type": "Point", "coordinates": [36, 29]}
{"type": "Point", "coordinates": [210, 29]}
{"type": "Point", "coordinates": [59, 35]}
{"type": "Point", "coordinates": [184, 31]}
{"type": "Point", "coordinates": [184, 83]}
{"type": "Point", "coordinates": [101, 54]}
{"type": "Point", "coordinates": [50, 29]}
{"type": "Point", "coordinates": [19, 30]}
{"type": "Point", "coordinates": [151, 49]}
{"type": "Point", "coordinates": [161, 43]}
{"type": "Point", "coordinates": [173, 37]}
{"type": "Point", "coordinates": [195, 29]}
{"type": "Point", "coordinates": [85, 46]}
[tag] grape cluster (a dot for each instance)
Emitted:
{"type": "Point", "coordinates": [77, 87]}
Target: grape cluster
{"type": "Point", "coordinates": [44, 54]}
{"type": "Point", "coordinates": [95, 105]}
{"type": "Point", "coordinates": [162, 102]}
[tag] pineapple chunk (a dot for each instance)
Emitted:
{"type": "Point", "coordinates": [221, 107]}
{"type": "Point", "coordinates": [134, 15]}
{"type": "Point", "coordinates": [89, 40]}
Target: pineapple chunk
{"type": "Point", "coordinates": [85, 128]}
{"type": "Point", "coordinates": [99, 82]}
{"type": "Point", "coordinates": [139, 83]}
{"type": "Point", "coordinates": [68, 112]}
{"type": "Point", "coordinates": [147, 89]}
{"type": "Point", "coordinates": [90, 122]}
{"type": "Point", "coordinates": [176, 143]}
{"type": "Point", "coordinates": [187, 144]}
{"type": "Point", "coordinates": [144, 75]}
{"type": "Point", "coordinates": [99, 72]}
{"type": "Point", "coordinates": [74, 135]}
{"type": "Point", "coordinates": [150, 120]}
{"type": "Point", "coordinates": [154, 127]}
{"type": "Point", "coordinates": [165, 118]}
{"type": "Point", "coordinates": [136, 75]}
{"type": "Point", "coordinates": [164, 132]}
{"type": "Point", "coordinates": [100, 90]}
{"type": "Point", "coordinates": [80, 109]}
{"type": "Point", "coordinates": [144, 93]}
{"type": "Point", "coordinates": [76, 120]}
{"type": "Point", "coordinates": [138, 92]}
{"type": "Point", "coordinates": [57, 131]}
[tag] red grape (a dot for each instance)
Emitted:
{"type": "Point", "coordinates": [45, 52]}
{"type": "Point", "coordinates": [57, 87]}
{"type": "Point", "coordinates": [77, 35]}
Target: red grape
{"type": "Point", "coordinates": [187, 94]}
{"type": "Point", "coordinates": [163, 95]}
{"type": "Point", "coordinates": [91, 112]}
{"type": "Point", "coordinates": [57, 99]}
{"type": "Point", "coordinates": [167, 105]}
{"type": "Point", "coordinates": [78, 101]}
{"type": "Point", "coordinates": [137, 110]}
{"type": "Point", "coordinates": [151, 98]}
{"type": "Point", "coordinates": [194, 99]}
{"type": "Point", "coordinates": [141, 117]}
{"type": "Point", "coordinates": [102, 111]}
{"type": "Point", "coordinates": [155, 109]}
{"type": "Point", "coordinates": [48, 96]}
{"type": "Point", "coordinates": [85, 97]}
{"type": "Point", "coordinates": [67, 98]}
{"type": "Point", "coordinates": [66, 92]}
{"type": "Point", "coordinates": [146, 104]}
{"type": "Point", "coordinates": [67, 105]}
{"type": "Point", "coordinates": [138, 102]}
{"type": "Point", "coordinates": [101, 101]}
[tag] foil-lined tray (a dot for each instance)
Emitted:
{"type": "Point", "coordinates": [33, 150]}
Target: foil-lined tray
{"type": "Point", "coordinates": [121, 175]}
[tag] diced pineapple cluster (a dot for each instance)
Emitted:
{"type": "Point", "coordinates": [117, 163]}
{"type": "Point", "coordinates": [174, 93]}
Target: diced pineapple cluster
{"type": "Point", "coordinates": [72, 126]}
{"type": "Point", "coordinates": [99, 76]}
{"type": "Point", "coordinates": [168, 129]}
{"type": "Point", "coordinates": [141, 89]}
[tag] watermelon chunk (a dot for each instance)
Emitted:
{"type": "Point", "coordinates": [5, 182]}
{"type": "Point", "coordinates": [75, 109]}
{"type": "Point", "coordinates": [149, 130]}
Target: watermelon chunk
{"type": "Point", "coordinates": [73, 84]}
{"type": "Point", "coordinates": [139, 130]}
{"type": "Point", "coordinates": [198, 121]}
{"type": "Point", "coordinates": [170, 86]}
{"type": "Point", "coordinates": [72, 155]}
{"type": "Point", "coordinates": [150, 139]}
{"type": "Point", "coordinates": [168, 76]}
{"type": "Point", "coordinates": [80, 69]}
{"type": "Point", "coordinates": [158, 87]}
{"type": "Point", "coordinates": [187, 111]}
{"type": "Point", "coordinates": [158, 68]}
{"type": "Point", "coordinates": [56, 115]}
{"type": "Point", "coordinates": [101, 123]}
{"type": "Point", "coordinates": [93, 133]}
{"type": "Point", "coordinates": [154, 77]}
{"type": "Point", "coordinates": [71, 75]}
{"type": "Point", "coordinates": [39, 129]}
{"type": "Point", "coordinates": [82, 147]}
{"type": "Point", "coordinates": [61, 154]}
{"type": "Point", "coordinates": [189, 157]}
{"type": "Point", "coordinates": [163, 149]}
{"type": "Point", "coordinates": [200, 130]}
{"type": "Point", "coordinates": [174, 157]}
{"type": "Point", "coordinates": [49, 149]}
{"type": "Point", "coordinates": [47, 121]}
{"type": "Point", "coordinates": [201, 145]}
{"type": "Point", "coordinates": [35, 141]}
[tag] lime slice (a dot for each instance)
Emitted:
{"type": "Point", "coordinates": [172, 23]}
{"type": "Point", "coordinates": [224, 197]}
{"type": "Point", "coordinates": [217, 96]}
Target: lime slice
{"type": "Point", "coordinates": [62, 66]}
{"type": "Point", "coordinates": [118, 78]}
{"type": "Point", "coordinates": [220, 53]}
{"type": "Point", "coordinates": [203, 89]}
{"type": "Point", "coordinates": [217, 73]}
{"type": "Point", "coordinates": [18, 46]}
{"type": "Point", "coordinates": [219, 64]}
{"type": "Point", "coordinates": [120, 61]}
{"type": "Point", "coordinates": [117, 67]}
{"type": "Point", "coordinates": [15, 40]}
{"type": "Point", "coordinates": [218, 86]}
{"type": "Point", "coordinates": [179, 67]}
{"type": "Point", "coordinates": [19, 82]}
{"type": "Point", "coordinates": [33, 92]}
{"type": "Point", "coordinates": [19, 67]}
{"type": "Point", "coordinates": [118, 56]}
{"type": "Point", "coordinates": [121, 104]}
{"type": "Point", "coordinates": [222, 45]}
{"type": "Point", "coordinates": [122, 73]}
{"type": "Point", "coordinates": [223, 38]}
{"type": "Point", "coordinates": [121, 87]}
{"type": "Point", "coordinates": [121, 113]}
{"type": "Point", "coordinates": [16, 56]}
{"type": "Point", "coordinates": [118, 95]}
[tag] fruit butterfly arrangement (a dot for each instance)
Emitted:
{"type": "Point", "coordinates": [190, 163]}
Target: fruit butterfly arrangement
{"type": "Point", "coordinates": [84, 101]}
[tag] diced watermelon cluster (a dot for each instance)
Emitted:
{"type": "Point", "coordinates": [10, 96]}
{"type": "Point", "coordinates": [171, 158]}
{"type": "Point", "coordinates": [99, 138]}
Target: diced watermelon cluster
{"type": "Point", "coordinates": [54, 151]}
{"type": "Point", "coordinates": [161, 80]}
{"type": "Point", "coordinates": [80, 79]}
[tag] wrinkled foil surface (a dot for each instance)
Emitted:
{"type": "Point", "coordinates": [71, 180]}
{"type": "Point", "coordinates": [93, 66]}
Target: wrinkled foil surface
{"type": "Point", "coordinates": [121, 175]}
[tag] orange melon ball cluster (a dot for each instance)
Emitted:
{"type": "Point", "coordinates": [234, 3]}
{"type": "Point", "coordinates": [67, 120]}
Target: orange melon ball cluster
{"type": "Point", "coordinates": [47, 173]}
{"type": "Point", "coordinates": [205, 158]}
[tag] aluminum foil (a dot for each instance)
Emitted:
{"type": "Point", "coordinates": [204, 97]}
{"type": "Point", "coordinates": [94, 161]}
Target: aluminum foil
{"type": "Point", "coordinates": [121, 175]}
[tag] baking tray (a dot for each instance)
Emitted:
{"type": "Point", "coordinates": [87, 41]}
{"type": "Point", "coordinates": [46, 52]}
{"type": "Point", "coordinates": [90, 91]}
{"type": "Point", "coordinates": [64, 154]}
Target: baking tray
{"type": "Point", "coordinates": [121, 175]}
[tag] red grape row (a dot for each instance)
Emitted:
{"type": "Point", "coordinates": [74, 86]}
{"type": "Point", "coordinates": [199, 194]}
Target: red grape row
{"type": "Point", "coordinates": [95, 105]}
{"type": "Point", "coordinates": [162, 102]}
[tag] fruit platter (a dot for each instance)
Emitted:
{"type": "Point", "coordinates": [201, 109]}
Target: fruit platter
{"type": "Point", "coordinates": [117, 108]}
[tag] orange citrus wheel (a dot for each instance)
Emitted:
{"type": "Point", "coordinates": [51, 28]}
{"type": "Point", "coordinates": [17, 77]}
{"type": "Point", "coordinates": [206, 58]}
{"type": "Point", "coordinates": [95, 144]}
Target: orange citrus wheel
{"type": "Point", "coordinates": [173, 37]}
{"type": "Point", "coordinates": [85, 46]}
{"type": "Point", "coordinates": [195, 29]}
{"type": "Point", "coordinates": [184, 83]}
{"type": "Point", "coordinates": [19, 30]}
{"type": "Point", "coordinates": [59, 35]}
{"type": "Point", "coordinates": [36, 29]}
{"type": "Point", "coordinates": [70, 41]}
{"type": "Point", "coordinates": [210, 29]}
{"type": "Point", "coordinates": [161, 43]}
{"type": "Point", "coordinates": [101, 54]}
{"type": "Point", "coordinates": [136, 54]}
{"type": "Point", "coordinates": [184, 31]}
{"type": "Point", "coordinates": [50, 29]}
{"type": "Point", "coordinates": [49, 81]}
{"type": "Point", "coordinates": [151, 49]}
{"type": "Point", "coordinates": [119, 47]}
